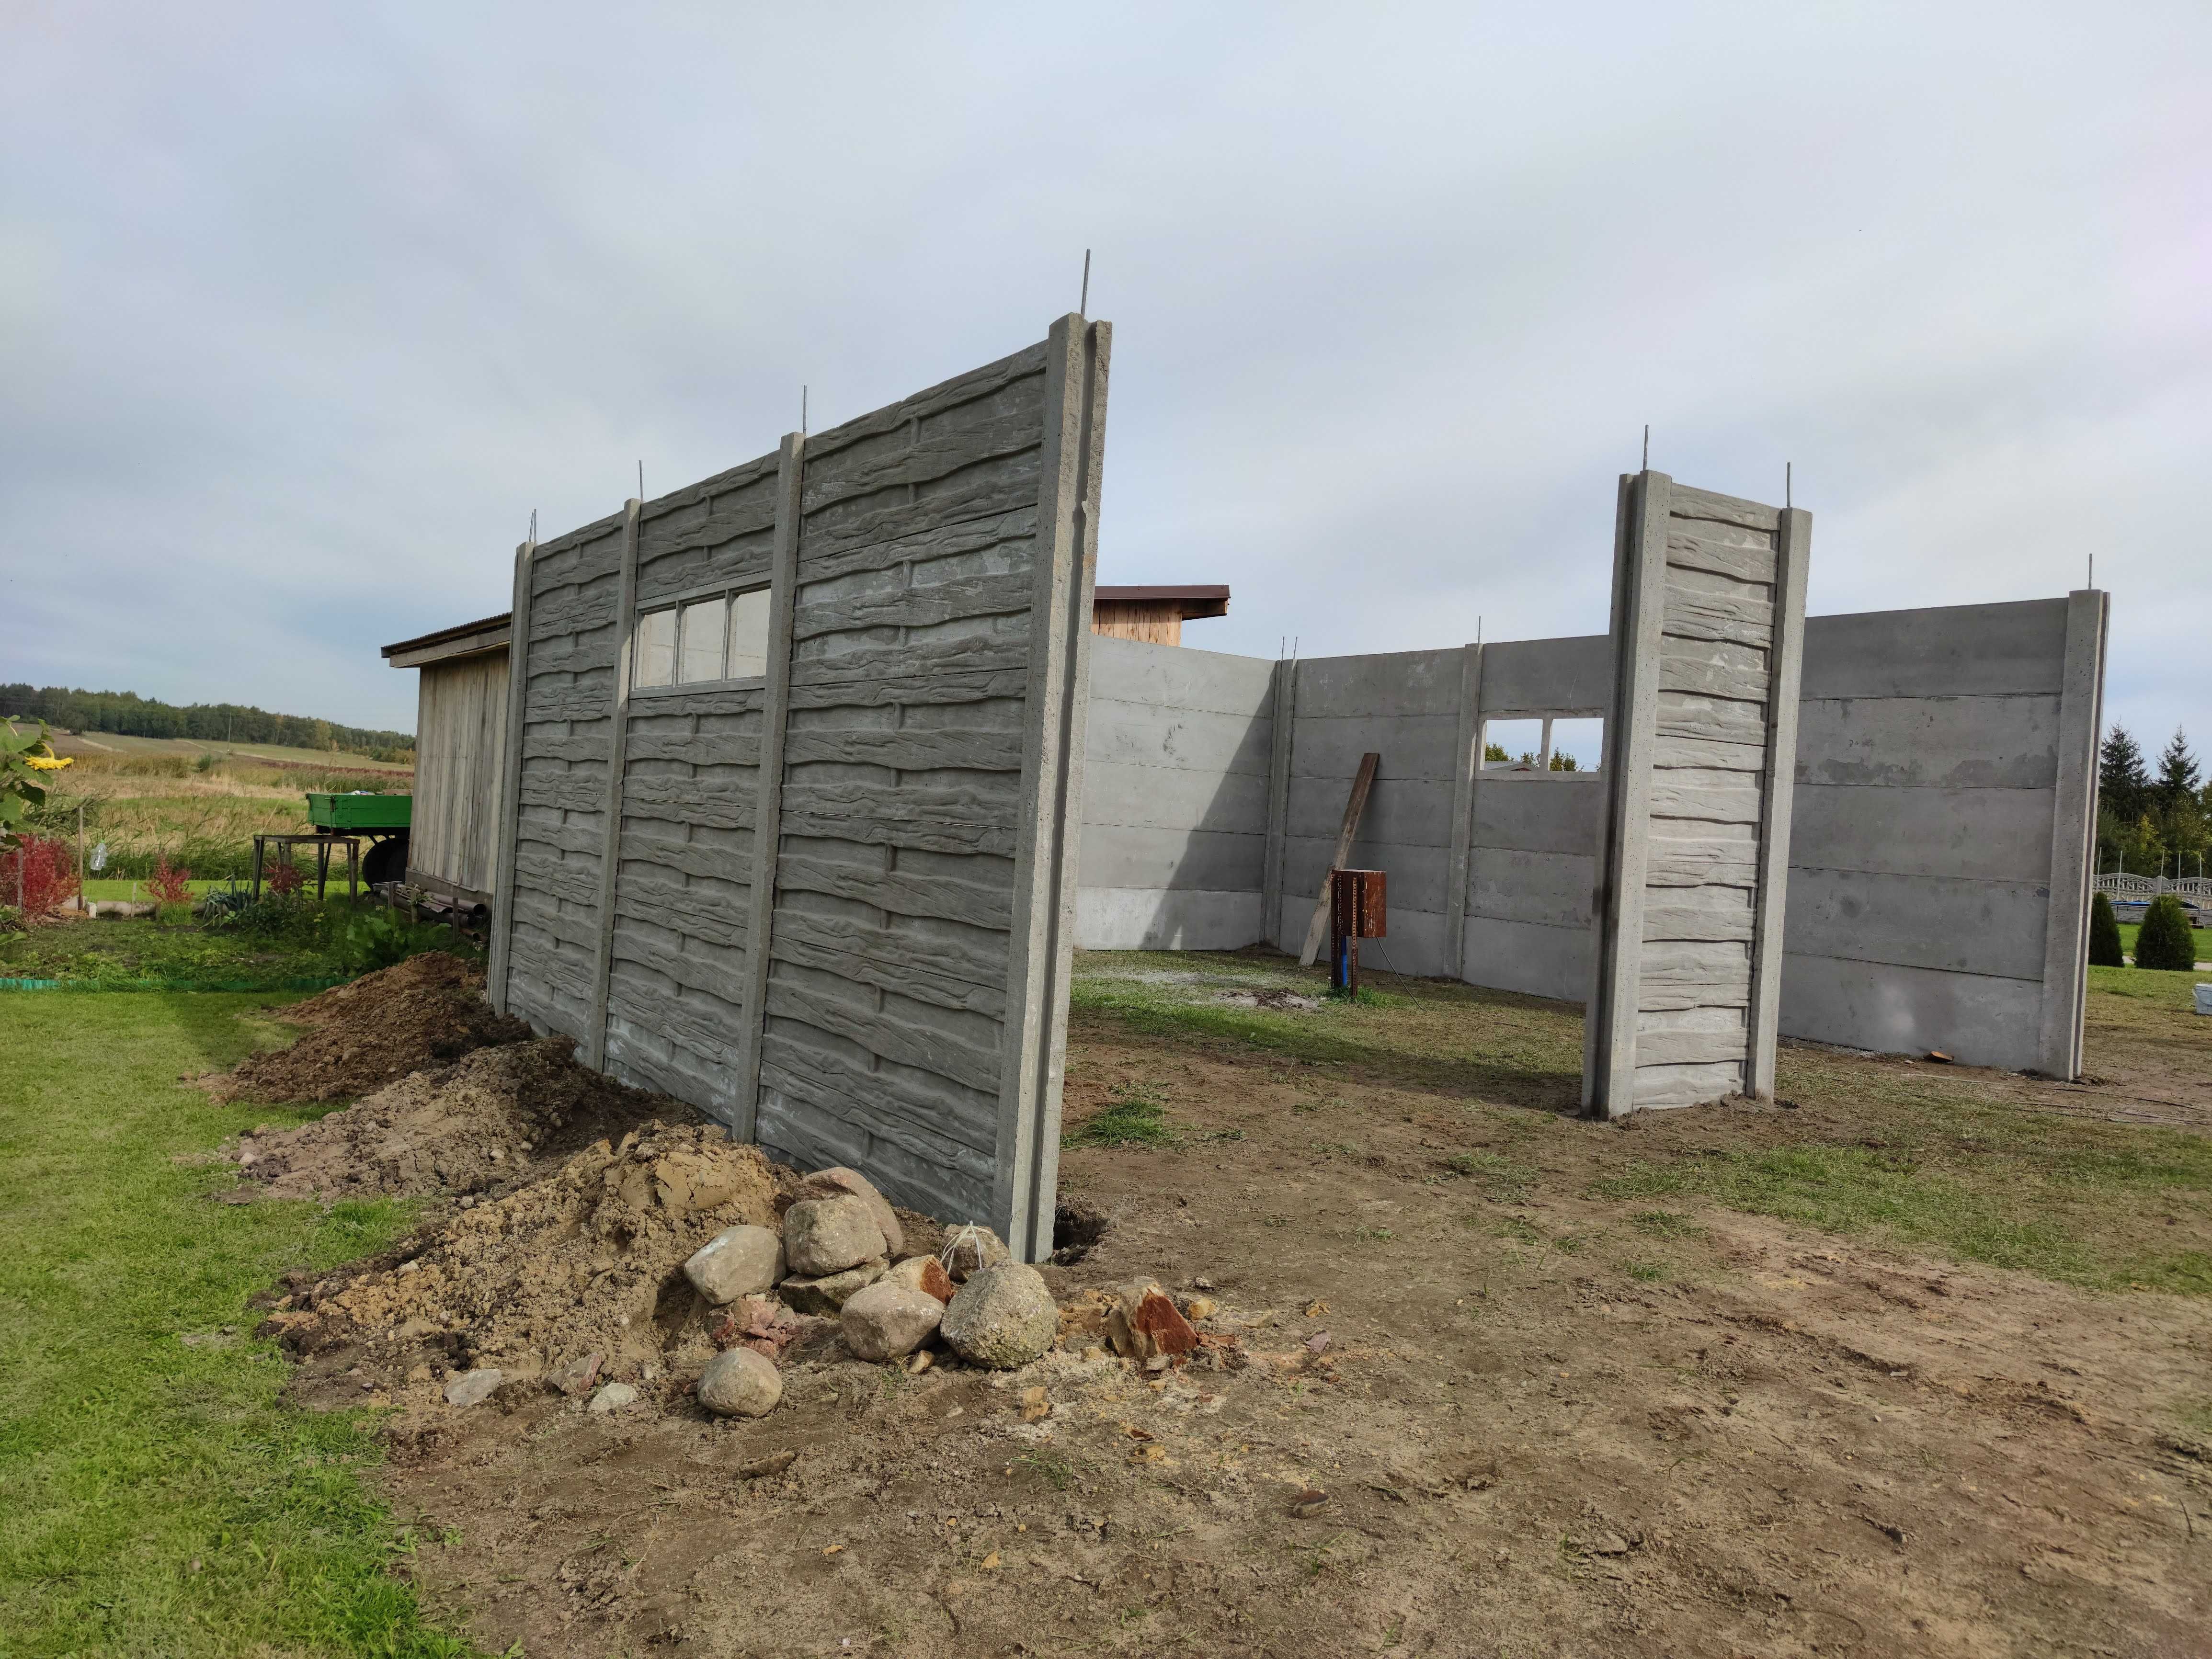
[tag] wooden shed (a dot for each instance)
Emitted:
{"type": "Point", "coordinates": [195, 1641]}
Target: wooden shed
{"type": "Point", "coordinates": [1155, 615]}
{"type": "Point", "coordinates": [460, 732]}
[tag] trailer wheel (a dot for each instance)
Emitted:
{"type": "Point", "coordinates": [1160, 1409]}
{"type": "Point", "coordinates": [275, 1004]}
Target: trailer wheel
{"type": "Point", "coordinates": [386, 860]}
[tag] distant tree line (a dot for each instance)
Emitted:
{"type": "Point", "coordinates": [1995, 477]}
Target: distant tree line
{"type": "Point", "coordinates": [2152, 822]}
{"type": "Point", "coordinates": [130, 715]}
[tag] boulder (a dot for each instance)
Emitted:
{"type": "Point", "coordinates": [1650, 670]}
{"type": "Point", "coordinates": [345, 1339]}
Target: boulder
{"type": "Point", "coordinates": [888, 1322]}
{"type": "Point", "coordinates": [969, 1248]}
{"type": "Point", "coordinates": [920, 1272]}
{"type": "Point", "coordinates": [613, 1397]}
{"type": "Point", "coordinates": [738, 1261]}
{"type": "Point", "coordinates": [832, 1183]}
{"type": "Point", "coordinates": [1145, 1323]}
{"type": "Point", "coordinates": [1003, 1316]}
{"type": "Point", "coordinates": [828, 1294]}
{"type": "Point", "coordinates": [474, 1388]}
{"type": "Point", "coordinates": [824, 1236]}
{"type": "Point", "coordinates": [739, 1383]}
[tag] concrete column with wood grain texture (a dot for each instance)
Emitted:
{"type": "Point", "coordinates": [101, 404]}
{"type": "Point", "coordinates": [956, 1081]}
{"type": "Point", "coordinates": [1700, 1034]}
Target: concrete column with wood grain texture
{"type": "Point", "coordinates": [595, 1047]}
{"type": "Point", "coordinates": [1285, 704]}
{"type": "Point", "coordinates": [1708, 629]}
{"type": "Point", "coordinates": [1638, 594]}
{"type": "Point", "coordinates": [2074, 834]}
{"type": "Point", "coordinates": [510, 787]}
{"type": "Point", "coordinates": [1466, 765]}
{"type": "Point", "coordinates": [1793, 545]}
{"type": "Point", "coordinates": [1042, 940]}
{"type": "Point", "coordinates": [767, 810]}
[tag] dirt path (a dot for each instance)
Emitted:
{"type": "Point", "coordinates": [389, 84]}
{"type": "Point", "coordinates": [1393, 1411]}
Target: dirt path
{"type": "Point", "coordinates": [1550, 1416]}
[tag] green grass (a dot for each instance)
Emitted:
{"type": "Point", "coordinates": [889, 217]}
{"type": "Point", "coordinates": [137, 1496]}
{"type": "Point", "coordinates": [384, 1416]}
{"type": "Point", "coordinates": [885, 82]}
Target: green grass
{"type": "Point", "coordinates": [1136, 1118]}
{"type": "Point", "coordinates": [323, 943]}
{"type": "Point", "coordinates": [157, 1499]}
{"type": "Point", "coordinates": [2173, 989]}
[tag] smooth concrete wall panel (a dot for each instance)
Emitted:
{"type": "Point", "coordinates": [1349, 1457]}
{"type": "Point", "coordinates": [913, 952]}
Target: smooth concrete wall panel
{"type": "Point", "coordinates": [1384, 687]}
{"type": "Point", "coordinates": [1175, 798]}
{"type": "Point", "coordinates": [1537, 960]}
{"type": "Point", "coordinates": [2011, 650]}
{"type": "Point", "coordinates": [1524, 677]}
{"type": "Point", "coordinates": [1924, 888]}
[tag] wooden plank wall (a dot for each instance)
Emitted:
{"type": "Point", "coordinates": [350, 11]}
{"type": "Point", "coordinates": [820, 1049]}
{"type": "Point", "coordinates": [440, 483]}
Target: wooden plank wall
{"type": "Point", "coordinates": [917, 745]}
{"type": "Point", "coordinates": [1708, 629]}
{"type": "Point", "coordinates": [461, 734]}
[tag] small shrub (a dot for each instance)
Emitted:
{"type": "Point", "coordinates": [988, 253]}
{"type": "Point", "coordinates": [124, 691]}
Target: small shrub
{"type": "Point", "coordinates": [2165, 940]}
{"type": "Point", "coordinates": [37, 875]}
{"type": "Point", "coordinates": [169, 885]}
{"type": "Point", "coordinates": [285, 881]}
{"type": "Point", "coordinates": [380, 938]}
{"type": "Point", "coordinates": [2104, 934]}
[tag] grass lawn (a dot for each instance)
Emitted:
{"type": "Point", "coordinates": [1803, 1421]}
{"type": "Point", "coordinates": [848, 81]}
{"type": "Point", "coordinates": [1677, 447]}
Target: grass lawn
{"type": "Point", "coordinates": [317, 945]}
{"type": "Point", "coordinates": [155, 1497]}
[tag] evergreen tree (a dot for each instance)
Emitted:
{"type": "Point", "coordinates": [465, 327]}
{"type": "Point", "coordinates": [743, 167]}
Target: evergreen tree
{"type": "Point", "coordinates": [2164, 940]}
{"type": "Point", "coordinates": [2122, 782]}
{"type": "Point", "coordinates": [2103, 935]}
{"type": "Point", "coordinates": [2177, 777]}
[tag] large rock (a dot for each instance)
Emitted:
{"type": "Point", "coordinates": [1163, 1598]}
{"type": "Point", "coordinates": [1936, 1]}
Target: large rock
{"type": "Point", "coordinates": [920, 1272]}
{"type": "Point", "coordinates": [970, 1249]}
{"type": "Point", "coordinates": [739, 1261]}
{"type": "Point", "coordinates": [739, 1383]}
{"type": "Point", "coordinates": [888, 1322]}
{"type": "Point", "coordinates": [1145, 1322]}
{"type": "Point", "coordinates": [828, 1294]}
{"type": "Point", "coordinates": [823, 1235]}
{"type": "Point", "coordinates": [831, 1183]}
{"type": "Point", "coordinates": [1002, 1317]}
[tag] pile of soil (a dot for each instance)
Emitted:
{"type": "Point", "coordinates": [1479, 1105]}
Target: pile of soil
{"type": "Point", "coordinates": [588, 1261]}
{"type": "Point", "coordinates": [498, 1117]}
{"type": "Point", "coordinates": [428, 1011]}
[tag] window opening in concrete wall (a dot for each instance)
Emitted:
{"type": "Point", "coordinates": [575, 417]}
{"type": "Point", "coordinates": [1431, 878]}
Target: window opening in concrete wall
{"type": "Point", "coordinates": [749, 635]}
{"type": "Point", "coordinates": [656, 648]}
{"type": "Point", "coordinates": [1542, 745]}
{"type": "Point", "coordinates": [704, 641]}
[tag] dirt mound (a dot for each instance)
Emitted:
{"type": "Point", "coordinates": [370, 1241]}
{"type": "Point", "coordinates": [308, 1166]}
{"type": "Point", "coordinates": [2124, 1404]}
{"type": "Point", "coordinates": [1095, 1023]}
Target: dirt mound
{"type": "Point", "coordinates": [495, 1118]}
{"type": "Point", "coordinates": [588, 1261]}
{"type": "Point", "coordinates": [428, 1011]}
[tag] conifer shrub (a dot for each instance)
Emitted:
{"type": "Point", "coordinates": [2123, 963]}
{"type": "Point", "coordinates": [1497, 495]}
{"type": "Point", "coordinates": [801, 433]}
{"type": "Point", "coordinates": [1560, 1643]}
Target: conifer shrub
{"type": "Point", "coordinates": [2104, 934]}
{"type": "Point", "coordinates": [2164, 940]}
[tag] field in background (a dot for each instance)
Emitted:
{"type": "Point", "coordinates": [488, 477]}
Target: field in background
{"type": "Point", "coordinates": [197, 805]}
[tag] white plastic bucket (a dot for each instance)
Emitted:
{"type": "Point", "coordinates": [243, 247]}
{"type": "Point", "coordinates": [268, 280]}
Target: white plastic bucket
{"type": "Point", "coordinates": [2204, 999]}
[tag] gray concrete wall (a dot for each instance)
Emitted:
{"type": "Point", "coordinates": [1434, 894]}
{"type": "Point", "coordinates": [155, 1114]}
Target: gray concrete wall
{"type": "Point", "coordinates": [891, 992]}
{"type": "Point", "coordinates": [1931, 904]}
{"type": "Point", "coordinates": [1175, 813]}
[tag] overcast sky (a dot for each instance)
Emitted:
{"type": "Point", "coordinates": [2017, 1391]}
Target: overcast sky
{"type": "Point", "coordinates": [303, 309]}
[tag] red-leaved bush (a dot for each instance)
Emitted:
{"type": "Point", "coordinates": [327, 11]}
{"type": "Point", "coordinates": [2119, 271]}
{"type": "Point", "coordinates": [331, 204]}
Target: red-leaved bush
{"type": "Point", "coordinates": [38, 874]}
{"type": "Point", "coordinates": [285, 880]}
{"type": "Point", "coordinates": [167, 886]}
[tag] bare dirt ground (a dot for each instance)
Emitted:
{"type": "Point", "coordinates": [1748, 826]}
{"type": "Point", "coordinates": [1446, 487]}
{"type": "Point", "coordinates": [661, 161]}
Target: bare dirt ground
{"type": "Point", "coordinates": [1920, 1364]}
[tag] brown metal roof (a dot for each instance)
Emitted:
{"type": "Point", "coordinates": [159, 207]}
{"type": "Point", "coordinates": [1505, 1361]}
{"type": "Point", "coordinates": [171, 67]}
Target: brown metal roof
{"type": "Point", "coordinates": [444, 634]}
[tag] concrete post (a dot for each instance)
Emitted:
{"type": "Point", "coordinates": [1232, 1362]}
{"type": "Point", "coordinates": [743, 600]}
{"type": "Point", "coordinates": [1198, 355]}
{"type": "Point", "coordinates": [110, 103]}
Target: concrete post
{"type": "Point", "coordinates": [595, 1046]}
{"type": "Point", "coordinates": [2074, 835]}
{"type": "Point", "coordinates": [767, 800]}
{"type": "Point", "coordinates": [1041, 941]}
{"type": "Point", "coordinates": [1283, 700]}
{"type": "Point", "coordinates": [1466, 763]}
{"type": "Point", "coordinates": [510, 787]}
{"type": "Point", "coordinates": [1639, 606]}
{"type": "Point", "coordinates": [1793, 547]}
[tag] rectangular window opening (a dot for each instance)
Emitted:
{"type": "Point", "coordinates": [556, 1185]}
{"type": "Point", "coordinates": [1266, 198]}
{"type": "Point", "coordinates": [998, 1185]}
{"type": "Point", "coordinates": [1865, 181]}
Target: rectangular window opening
{"type": "Point", "coordinates": [703, 642]}
{"type": "Point", "coordinates": [1543, 744]}
{"type": "Point", "coordinates": [656, 648]}
{"type": "Point", "coordinates": [749, 635]}
{"type": "Point", "coordinates": [701, 656]}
